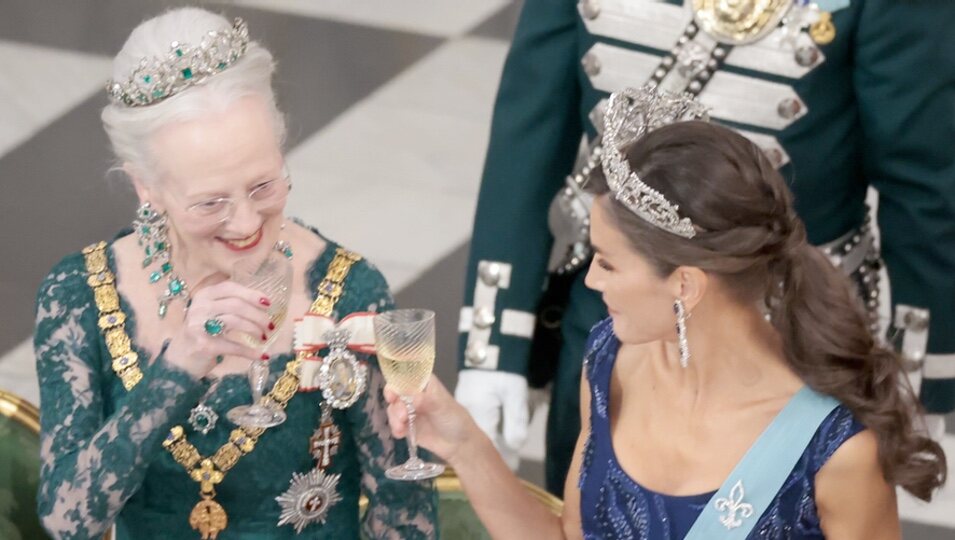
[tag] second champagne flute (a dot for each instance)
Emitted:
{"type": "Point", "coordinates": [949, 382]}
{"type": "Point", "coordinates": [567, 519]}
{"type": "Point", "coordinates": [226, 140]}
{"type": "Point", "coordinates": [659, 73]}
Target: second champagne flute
{"type": "Point", "coordinates": [404, 340]}
{"type": "Point", "coordinates": [273, 278]}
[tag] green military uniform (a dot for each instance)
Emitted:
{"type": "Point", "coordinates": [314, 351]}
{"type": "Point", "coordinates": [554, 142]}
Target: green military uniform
{"type": "Point", "coordinates": [864, 98]}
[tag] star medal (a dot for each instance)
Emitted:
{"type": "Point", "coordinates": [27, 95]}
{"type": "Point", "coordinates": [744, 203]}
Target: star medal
{"type": "Point", "coordinates": [308, 499]}
{"type": "Point", "coordinates": [342, 378]}
{"type": "Point", "coordinates": [202, 418]}
{"type": "Point", "coordinates": [325, 441]}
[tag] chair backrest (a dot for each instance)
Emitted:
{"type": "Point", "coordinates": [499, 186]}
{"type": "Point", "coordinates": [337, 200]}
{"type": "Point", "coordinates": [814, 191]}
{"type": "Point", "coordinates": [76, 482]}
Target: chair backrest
{"type": "Point", "coordinates": [456, 517]}
{"type": "Point", "coordinates": [19, 468]}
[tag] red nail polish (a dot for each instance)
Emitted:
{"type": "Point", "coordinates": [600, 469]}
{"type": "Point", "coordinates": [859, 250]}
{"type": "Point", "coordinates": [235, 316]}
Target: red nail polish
{"type": "Point", "coordinates": [265, 356]}
{"type": "Point", "coordinates": [265, 301]}
{"type": "Point", "coordinates": [264, 337]}
{"type": "Point", "coordinates": [271, 326]}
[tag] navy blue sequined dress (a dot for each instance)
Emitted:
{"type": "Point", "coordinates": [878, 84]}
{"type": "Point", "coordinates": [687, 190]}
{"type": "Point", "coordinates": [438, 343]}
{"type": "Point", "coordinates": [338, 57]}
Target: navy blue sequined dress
{"type": "Point", "coordinates": [613, 505]}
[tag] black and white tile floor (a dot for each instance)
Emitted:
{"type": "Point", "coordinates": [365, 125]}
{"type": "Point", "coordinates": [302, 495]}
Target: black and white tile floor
{"type": "Point", "coordinates": [410, 81]}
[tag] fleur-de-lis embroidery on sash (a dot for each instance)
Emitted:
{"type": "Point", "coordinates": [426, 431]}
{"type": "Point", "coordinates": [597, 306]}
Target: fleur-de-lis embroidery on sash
{"type": "Point", "coordinates": [733, 507]}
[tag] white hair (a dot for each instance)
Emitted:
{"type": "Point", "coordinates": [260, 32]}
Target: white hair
{"type": "Point", "coordinates": [130, 128]}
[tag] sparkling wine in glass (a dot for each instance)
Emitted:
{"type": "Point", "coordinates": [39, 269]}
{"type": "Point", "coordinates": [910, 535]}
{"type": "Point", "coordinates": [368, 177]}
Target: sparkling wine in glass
{"type": "Point", "coordinates": [273, 278]}
{"type": "Point", "coordinates": [404, 340]}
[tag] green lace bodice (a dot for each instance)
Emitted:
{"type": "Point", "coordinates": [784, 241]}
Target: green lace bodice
{"type": "Point", "coordinates": [102, 455]}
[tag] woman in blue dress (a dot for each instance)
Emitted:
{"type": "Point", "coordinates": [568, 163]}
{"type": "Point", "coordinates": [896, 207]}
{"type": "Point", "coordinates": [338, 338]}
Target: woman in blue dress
{"type": "Point", "coordinates": [734, 391]}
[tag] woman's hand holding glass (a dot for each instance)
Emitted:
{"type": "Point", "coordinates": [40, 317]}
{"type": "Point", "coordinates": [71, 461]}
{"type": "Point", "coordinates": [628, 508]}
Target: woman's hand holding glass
{"type": "Point", "coordinates": [194, 349]}
{"type": "Point", "coordinates": [271, 276]}
{"type": "Point", "coordinates": [441, 424]}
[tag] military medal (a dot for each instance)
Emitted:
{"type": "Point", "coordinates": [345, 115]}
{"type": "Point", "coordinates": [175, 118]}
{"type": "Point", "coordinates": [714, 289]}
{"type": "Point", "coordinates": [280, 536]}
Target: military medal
{"type": "Point", "coordinates": [738, 23]}
{"type": "Point", "coordinates": [209, 518]}
{"type": "Point", "coordinates": [308, 499]}
{"type": "Point", "coordinates": [823, 31]}
{"type": "Point", "coordinates": [325, 441]}
{"type": "Point", "coordinates": [342, 380]}
{"type": "Point", "coordinates": [341, 377]}
{"type": "Point", "coordinates": [311, 495]}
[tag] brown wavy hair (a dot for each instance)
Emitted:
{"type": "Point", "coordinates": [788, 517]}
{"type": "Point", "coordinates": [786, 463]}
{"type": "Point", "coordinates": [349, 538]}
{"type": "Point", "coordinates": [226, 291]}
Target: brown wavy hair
{"type": "Point", "coordinates": [751, 238]}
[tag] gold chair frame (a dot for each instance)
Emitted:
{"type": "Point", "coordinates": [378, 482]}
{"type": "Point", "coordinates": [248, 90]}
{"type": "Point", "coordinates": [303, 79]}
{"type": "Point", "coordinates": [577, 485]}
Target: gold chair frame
{"type": "Point", "coordinates": [26, 414]}
{"type": "Point", "coordinates": [20, 410]}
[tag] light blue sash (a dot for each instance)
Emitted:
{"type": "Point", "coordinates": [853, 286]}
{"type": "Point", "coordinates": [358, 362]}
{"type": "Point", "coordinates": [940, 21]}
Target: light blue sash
{"type": "Point", "coordinates": [832, 5]}
{"type": "Point", "coordinates": [751, 487]}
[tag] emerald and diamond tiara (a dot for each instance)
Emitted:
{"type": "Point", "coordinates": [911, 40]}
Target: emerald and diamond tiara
{"type": "Point", "coordinates": [159, 78]}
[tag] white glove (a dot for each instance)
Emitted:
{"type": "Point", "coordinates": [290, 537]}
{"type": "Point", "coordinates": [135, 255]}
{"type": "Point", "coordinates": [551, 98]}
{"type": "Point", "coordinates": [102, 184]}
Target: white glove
{"type": "Point", "coordinates": [491, 396]}
{"type": "Point", "coordinates": [935, 425]}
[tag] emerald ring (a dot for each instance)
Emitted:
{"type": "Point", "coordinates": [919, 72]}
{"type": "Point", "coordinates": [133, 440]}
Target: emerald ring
{"type": "Point", "coordinates": [214, 326]}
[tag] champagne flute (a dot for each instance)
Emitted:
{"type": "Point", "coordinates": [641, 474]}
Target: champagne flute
{"type": "Point", "coordinates": [404, 340]}
{"type": "Point", "coordinates": [273, 278]}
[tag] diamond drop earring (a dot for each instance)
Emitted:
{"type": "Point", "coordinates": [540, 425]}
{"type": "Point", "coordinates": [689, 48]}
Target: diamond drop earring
{"type": "Point", "coordinates": [681, 317]}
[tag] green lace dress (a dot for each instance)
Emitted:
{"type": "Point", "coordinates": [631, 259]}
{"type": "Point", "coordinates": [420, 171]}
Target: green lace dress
{"type": "Point", "coordinates": [102, 454]}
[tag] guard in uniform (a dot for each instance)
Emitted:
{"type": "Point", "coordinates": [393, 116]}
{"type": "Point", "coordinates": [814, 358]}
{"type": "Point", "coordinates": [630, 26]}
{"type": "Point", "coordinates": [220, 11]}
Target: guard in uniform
{"type": "Point", "coordinates": [841, 95]}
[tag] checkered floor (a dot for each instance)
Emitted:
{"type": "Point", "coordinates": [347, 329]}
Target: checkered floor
{"type": "Point", "coordinates": [412, 81]}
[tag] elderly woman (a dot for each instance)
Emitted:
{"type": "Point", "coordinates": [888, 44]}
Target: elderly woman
{"type": "Point", "coordinates": [735, 390]}
{"type": "Point", "coordinates": [138, 340]}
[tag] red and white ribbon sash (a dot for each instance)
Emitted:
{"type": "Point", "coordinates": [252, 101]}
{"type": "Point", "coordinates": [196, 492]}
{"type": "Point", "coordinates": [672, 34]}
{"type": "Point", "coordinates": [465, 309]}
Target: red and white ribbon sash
{"type": "Point", "coordinates": [310, 335]}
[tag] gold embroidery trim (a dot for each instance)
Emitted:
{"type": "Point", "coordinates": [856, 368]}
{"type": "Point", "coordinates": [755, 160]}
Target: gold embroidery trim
{"type": "Point", "coordinates": [206, 471]}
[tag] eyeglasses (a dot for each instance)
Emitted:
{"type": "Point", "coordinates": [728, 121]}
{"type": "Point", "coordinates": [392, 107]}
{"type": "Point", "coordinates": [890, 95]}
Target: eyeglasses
{"type": "Point", "coordinates": [221, 209]}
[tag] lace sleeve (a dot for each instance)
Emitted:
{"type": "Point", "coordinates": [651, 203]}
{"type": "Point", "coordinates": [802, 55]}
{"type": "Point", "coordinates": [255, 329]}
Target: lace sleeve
{"type": "Point", "coordinates": [92, 463]}
{"type": "Point", "coordinates": [398, 510]}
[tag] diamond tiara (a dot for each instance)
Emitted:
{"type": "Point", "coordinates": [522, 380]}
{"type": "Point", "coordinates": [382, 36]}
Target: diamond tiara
{"type": "Point", "coordinates": [631, 114]}
{"type": "Point", "coordinates": [159, 78]}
